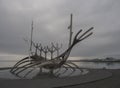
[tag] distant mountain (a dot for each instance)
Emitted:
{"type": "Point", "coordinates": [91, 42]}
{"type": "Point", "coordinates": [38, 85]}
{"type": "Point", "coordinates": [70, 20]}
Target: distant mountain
{"type": "Point", "coordinates": [117, 56]}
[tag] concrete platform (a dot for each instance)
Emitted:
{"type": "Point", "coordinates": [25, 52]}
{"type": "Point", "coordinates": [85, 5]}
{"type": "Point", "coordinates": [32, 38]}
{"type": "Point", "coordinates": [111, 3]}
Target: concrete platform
{"type": "Point", "coordinates": [93, 75]}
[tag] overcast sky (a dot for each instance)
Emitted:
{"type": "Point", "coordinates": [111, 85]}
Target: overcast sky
{"type": "Point", "coordinates": [51, 20]}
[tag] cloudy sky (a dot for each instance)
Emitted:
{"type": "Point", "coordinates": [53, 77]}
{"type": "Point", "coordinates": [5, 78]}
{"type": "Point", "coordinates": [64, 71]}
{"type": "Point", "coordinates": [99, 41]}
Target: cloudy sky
{"type": "Point", "coordinates": [51, 20]}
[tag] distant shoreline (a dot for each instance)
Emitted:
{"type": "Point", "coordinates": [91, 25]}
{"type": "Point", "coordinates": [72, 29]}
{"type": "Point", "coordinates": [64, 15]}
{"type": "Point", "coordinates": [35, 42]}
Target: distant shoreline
{"type": "Point", "coordinates": [5, 68]}
{"type": "Point", "coordinates": [72, 60]}
{"type": "Point", "coordinates": [93, 61]}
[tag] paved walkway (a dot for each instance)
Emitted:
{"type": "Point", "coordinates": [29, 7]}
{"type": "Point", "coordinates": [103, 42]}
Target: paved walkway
{"type": "Point", "coordinates": [111, 82]}
{"type": "Point", "coordinates": [92, 76]}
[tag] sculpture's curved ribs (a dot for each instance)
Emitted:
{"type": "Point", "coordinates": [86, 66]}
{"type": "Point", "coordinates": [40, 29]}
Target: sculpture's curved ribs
{"type": "Point", "coordinates": [18, 63]}
{"type": "Point", "coordinates": [72, 68]}
{"type": "Point", "coordinates": [32, 69]}
{"type": "Point", "coordinates": [58, 70]}
{"type": "Point", "coordinates": [27, 59]}
{"type": "Point", "coordinates": [24, 67]}
{"type": "Point", "coordinates": [29, 65]}
{"type": "Point", "coordinates": [19, 68]}
{"type": "Point", "coordinates": [66, 69]}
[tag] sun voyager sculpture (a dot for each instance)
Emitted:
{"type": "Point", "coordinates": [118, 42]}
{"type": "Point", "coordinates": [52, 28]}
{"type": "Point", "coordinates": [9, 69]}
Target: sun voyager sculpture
{"type": "Point", "coordinates": [27, 65]}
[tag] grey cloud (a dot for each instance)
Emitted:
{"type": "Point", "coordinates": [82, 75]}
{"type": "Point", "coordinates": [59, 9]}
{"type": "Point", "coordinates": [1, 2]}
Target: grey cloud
{"type": "Point", "coordinates": [51, 19]}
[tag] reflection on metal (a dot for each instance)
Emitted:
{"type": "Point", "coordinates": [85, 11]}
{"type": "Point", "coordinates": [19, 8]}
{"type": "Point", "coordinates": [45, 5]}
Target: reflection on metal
{"type": "Point", "coordinates": [41, 61]}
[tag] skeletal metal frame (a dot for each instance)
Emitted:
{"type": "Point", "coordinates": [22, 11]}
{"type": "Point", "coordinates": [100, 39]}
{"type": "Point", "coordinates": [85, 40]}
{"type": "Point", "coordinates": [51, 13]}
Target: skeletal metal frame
{"type": "Point", "coordinates": [41, 61]}
{"type": "Point", "coordinates": [50, 64]}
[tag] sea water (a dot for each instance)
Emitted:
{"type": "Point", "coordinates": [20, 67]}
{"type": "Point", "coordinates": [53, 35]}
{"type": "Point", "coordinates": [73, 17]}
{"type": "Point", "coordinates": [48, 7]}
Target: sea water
{"type": "Point", "coordinates": [5, 62]}
{"type": "Point", "coordinates": [9, 61]}
{"type": "Point", "coordinates": [95, 65]}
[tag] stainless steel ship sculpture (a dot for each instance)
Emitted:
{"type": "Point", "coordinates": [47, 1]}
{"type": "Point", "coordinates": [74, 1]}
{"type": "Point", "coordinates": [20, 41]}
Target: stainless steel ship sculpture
{"type": "Point", "coordinates": [35, 60]}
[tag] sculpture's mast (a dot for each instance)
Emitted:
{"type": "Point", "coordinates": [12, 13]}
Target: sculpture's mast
{"type": "Point", "coordinates": [31, 36]}
{"type": "Point", "coordinates": [70, 28]}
